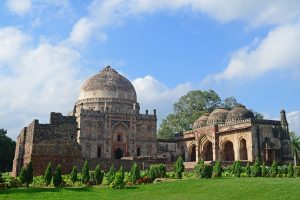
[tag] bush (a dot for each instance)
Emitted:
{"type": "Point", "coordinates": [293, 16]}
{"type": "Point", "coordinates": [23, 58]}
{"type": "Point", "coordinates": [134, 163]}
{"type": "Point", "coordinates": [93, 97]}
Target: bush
{"type": "Point", "coordinates": [256, 170]}
{"type": "Point", "coordinates": [263, 170]}
{"type": "Point", "coordinates": [1, 179]}
{"type": "Point", "coordinates": [23, 175]}
{"type": "Point", "coordinates": [157, 171]}
{"type": "Point", "coordinates": [297, 171]}
{"type": "Point", "coordinates": [135, 173]}
{"type": "Point", "coordinates": [74, 174]}
{"type": "Point", "coordinates": [98, 175]}
{"type": "Point", "coordinates": [85, 173]}
{"type": "Point", "coordinates": [290, 170]}
{"type": "Point", "coordinates": [179, 168]}
{"type": "Point", "coordinates": [118, 181]}
{"type": "Point", "coordinates": [217, 169]}
{"type": "Point", "coordinates": [238, 169]}
{"type": "Point", "coordinates": [274, 169]}
{"type": "Point", "coordinates": [29, 173]}
{"type": "Point", "coordinates": [232, 168]}
{"type": "Point", "coordinates": [110, 175]}
{"type": "Point", "coordinates": [248, 170]}
{"type": "Point", "coordinates": [57, 178]}
{"type": "Point", "coordinates": [203, 171]}
{"type": "Point", "coordinates": [48, 174]}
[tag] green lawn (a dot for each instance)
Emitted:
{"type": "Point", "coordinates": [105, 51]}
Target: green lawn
{"type": "Point", "coordinates": [223, 188]}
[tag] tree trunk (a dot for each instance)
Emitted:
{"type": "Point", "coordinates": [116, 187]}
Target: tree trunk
{"type": "Point", "coordinates": [295, 159]}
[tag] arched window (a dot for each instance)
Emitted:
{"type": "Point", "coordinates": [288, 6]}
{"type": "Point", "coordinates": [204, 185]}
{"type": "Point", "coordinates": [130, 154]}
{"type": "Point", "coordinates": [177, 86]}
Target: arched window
{"type": "Point", "coordinates": [138, 151]}
{"type": "Point", "coordinates": [99, 152]}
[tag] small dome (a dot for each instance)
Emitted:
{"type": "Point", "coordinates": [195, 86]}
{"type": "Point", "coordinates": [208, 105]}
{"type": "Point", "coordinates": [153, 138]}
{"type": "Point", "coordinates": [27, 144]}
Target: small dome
{"type": "Point", "coordinates": [108, 83]}
{"type": "Point", "coordinates": [240, 112]}
{"type": "Point", "coordinates": [218, 116]}
{"type": "Point", "coordinates": [201, 121]}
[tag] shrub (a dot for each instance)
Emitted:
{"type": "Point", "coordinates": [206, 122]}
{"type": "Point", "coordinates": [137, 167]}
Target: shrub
{"type": "Point", "coordinates": [232, 168]}
{"type": "Point", "coordinates": [179, 168]}
{"type": "Point", "coordinates": [1, 179]}
{"type": "Point", "coordinates": [118, 181]}
{"type": "Point", "coordinates": [85, 173]}
{"type": "Point", "coordinates": [238, 169]}
{"type": "Point", "coordinates": [248, 170]}
{"type": "Point", "coordinates": [290, 170]}
{"type": "Point", "coordinates": [57, 178]}
{"type": "Point", "coordinates": [274, 169]}
{"type": "Point", "coordinates": [23, 175]}
{"type": "Point", "coordinates": [135, 173]}
{"type": "Point", "coordinates": [256, 170]}
{"type": "Point", "coordinates": [157, 171]}
{"type": "Point", "coordinates": [74, 174]}
{"type": "Point", "coordinates": [203, 171]}
{"type": "Point", "coordinates": [110, 175]}
{"type": "Point", "coordinates": [29, 173]}
{"type": "Point", "coordinates": [263, 170]}
{"type": "Point", "coordinates": [171, 175]}
{"type": "Point", "coordinates": [217, 169]}
{"type": "Point", "coordinates": [297, 171]}
{"type": "Point", "coordinates": [48, 174]}
{"type": "Point", "coordinates": [98, 175]}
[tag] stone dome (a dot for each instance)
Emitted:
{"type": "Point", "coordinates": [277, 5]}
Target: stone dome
{"type": "Point", "coordinates": [218, 115]}
{"type": "Point", "coordinates": [201, 121]}
{"type": "Point", "coordinates": [108, 83]}
{"type": "Point", "coordinates": [240, 112]}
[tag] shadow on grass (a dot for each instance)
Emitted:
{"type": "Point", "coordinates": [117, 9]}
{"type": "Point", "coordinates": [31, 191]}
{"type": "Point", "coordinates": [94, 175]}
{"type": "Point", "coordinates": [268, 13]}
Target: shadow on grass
{"type": "Point", "coordinates": [32, 190]}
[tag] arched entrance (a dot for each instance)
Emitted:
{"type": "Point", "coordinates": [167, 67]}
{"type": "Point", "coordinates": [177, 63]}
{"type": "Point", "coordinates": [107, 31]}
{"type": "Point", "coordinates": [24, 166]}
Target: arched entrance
{"type": "Point", "coordinates": [193, 153]}
{"type": "Point", "coordinates": [228, 151]}
{"type": "Point", "coordinates": [207, 151]}
{"type": "Point", "coordinates": [118, 153]}
{"type": "Point", "coordinates": [243, 150]}
{"type": "Point", "coordinates": [138, 151]}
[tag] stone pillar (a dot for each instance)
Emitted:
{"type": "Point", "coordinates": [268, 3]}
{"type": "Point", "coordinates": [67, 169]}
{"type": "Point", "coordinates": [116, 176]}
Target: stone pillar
{"type": "Point", "coordinates": [236, 151]}
{"type": "Point", "coordinates": [197, 153]}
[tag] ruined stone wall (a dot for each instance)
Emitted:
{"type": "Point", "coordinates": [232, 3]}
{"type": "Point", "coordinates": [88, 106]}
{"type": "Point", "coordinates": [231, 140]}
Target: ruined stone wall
{"type": "Point", "coordinates": [44, 143]}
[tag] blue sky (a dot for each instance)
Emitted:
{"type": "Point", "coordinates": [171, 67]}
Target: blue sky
{"type": "Point", "coordinates": [247, 49]}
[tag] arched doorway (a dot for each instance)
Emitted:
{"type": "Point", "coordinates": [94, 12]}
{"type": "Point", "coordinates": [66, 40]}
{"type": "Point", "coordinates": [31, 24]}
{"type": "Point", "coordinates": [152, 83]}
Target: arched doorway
{"type": "Point", "coordinates": [118, 153]}
{"type": "Point", "coordinates": [228, 151]}
{"type": "Point", "coordinates": [243, 150]}
{"type": "Point", "coordinates": [193, 153]}
{"type": "Point", "coordinates": [207, 151]}
{"type": "Point", "coordinates": [138, 151]}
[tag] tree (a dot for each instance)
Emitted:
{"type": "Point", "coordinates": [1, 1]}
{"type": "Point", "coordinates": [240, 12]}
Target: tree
{"type": "Point", "coordinates": [85, 173]}
{"type": "Point", "coordinates": [229, 103]}
{"type": "Point", "coordinates": [187, 110]}
{"type": "Point", "coordinates": [256, 170]}
{"type": "Point", "coordinates": [57, 178]}
{"type": "Point", "coordinates": [274, 169]}
{"type": "Point", "coordinates": [295, 146]}
{"type": "Point", "coordinates": [29, 173]}
{"type": "Point", "coordinates": [74, 174]}
{"type": "Point", "coordinates": [248, 169]}
{"type": "Point", "coordinates": [48, 174]}
{"type": "Point", "coordinates": [179, 167]}
{"type": "Point", "coordinates": [290, 170]}
{"type": "Point", "coordinates": [7, 151]}
{"type": "Point", "coordinates": [23, 175]}
{"type": "Point", "coordinates": [98, 175]}
{"type": "Point", "coordinates": [110, 175]}
{"type": "Point", "coordinates": [135, 173]}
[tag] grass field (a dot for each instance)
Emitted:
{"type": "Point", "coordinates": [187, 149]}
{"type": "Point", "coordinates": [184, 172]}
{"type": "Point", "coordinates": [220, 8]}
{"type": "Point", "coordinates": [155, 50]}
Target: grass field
{"type": "Point", "coordinates": [223, 188]}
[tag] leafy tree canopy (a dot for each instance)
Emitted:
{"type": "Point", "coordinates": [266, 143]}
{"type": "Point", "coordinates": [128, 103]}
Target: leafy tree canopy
{"type": "Point", "coordinates": [7, 151]}
{"type": "Point", "coordinates": [190, 107]}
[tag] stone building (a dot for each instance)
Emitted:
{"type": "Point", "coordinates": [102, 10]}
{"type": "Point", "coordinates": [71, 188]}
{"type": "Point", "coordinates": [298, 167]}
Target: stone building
{"type": "Point", "coordinates": [105, 125]}
{"type": "Point", "coordinates": [234, 135]}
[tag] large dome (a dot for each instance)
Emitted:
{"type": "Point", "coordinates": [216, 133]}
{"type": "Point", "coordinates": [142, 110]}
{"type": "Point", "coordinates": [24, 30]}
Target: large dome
{"type": "Point", "coordinates": [218, 116]}
{"type": "Point", "coordinates": [240, 112]}
{"type": "Point", "coordinates": [108, 83]}
{"type": "Point", "coordinates": [201, 121]}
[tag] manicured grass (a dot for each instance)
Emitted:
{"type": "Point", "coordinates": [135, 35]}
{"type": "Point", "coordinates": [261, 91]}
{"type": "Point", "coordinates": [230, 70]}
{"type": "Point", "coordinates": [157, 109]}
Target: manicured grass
{"type": "Point", "coordinates": [223, 188]}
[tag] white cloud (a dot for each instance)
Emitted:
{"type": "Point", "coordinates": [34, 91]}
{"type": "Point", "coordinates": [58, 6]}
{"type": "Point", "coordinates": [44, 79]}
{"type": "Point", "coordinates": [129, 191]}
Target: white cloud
{"type": "Point", "coordinates": [155, 95]}
{"type": "Point", "coordinates": [39, 80]}
{"type": "Point", "coordinates": [19, 7]}
{"type": "Point", "coordinates": [294, 121]}
{"type": "Point", "coordinates": [278, 51]}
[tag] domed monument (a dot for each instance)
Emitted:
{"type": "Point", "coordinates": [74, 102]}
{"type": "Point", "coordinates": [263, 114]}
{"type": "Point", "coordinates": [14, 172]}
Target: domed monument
{"type": "Point", "coordinates": [105, 125]}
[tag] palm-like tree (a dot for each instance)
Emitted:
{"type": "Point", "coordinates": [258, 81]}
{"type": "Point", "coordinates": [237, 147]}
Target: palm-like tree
{"type": "Point", "coordinates": [295, 145]}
